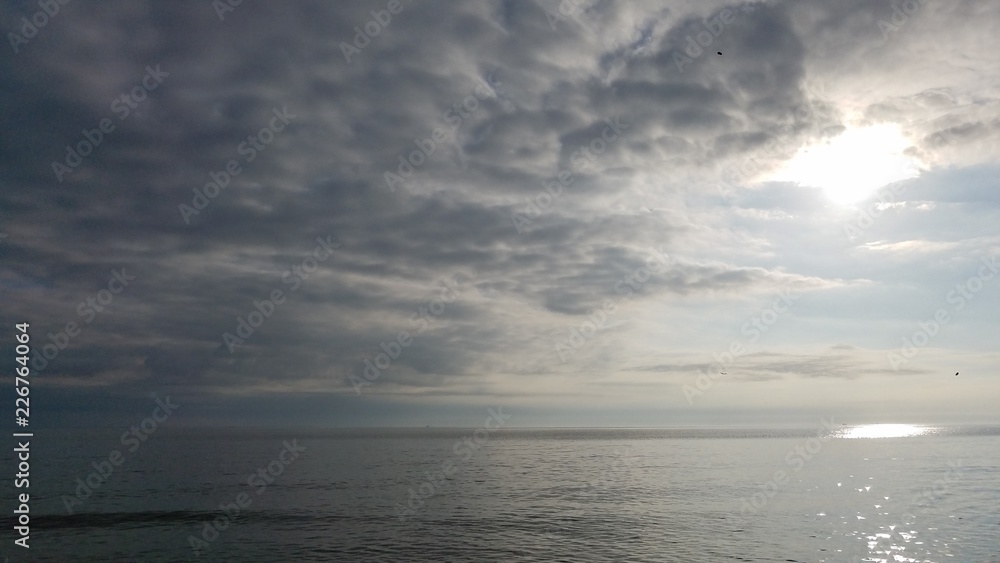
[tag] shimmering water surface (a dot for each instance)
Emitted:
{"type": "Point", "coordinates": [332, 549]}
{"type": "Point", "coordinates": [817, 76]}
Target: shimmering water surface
{"type": "Point", "coordinates": [830, 493]}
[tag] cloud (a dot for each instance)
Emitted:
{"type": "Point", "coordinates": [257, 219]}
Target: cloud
{"type": "Point", "coordinates": [792, 73]}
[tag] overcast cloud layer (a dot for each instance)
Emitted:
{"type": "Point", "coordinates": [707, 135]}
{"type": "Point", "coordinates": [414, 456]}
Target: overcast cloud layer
{"type": "Point", "coordinates": [664, 231]}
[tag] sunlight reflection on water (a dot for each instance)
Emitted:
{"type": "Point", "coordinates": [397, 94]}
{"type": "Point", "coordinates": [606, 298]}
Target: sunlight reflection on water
{"type": "Point", "coordinates": [884, 431]}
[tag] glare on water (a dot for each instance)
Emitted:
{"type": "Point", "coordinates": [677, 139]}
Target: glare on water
{"type": "Point", "coordinates": [884, 431]}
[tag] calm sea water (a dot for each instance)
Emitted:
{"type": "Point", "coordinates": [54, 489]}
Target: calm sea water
{"type": "Point", "coordinates": [516, 494]}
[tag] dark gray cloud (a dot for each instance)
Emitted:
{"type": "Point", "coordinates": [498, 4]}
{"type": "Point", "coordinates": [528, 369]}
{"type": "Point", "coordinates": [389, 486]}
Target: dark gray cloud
{"type": "Point", "coordinates": [647, 127]}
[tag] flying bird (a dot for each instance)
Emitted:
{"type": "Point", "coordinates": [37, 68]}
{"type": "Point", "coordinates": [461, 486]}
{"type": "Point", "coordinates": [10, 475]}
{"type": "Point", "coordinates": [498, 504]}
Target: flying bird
{"type": "Point", "coordinates": [718, 53]}
{"type": "Point", "coordinates": [956, 373]}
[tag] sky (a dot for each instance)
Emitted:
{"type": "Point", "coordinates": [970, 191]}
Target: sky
{"type": "Point", "coordinates": [586, 213]}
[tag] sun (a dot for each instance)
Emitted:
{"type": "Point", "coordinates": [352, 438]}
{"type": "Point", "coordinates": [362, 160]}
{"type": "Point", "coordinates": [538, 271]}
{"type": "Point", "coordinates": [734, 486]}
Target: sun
{"type": "Point", "coordinates": [853, 165]}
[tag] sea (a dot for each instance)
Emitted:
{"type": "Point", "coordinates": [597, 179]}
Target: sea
{"type": "Point", "coordinates": [830, 493]}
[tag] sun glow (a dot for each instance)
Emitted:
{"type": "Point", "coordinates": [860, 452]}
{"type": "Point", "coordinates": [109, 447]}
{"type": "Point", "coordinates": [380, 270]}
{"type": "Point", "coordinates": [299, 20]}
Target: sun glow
{"type": "Point", "coordinates": [852, 165]}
